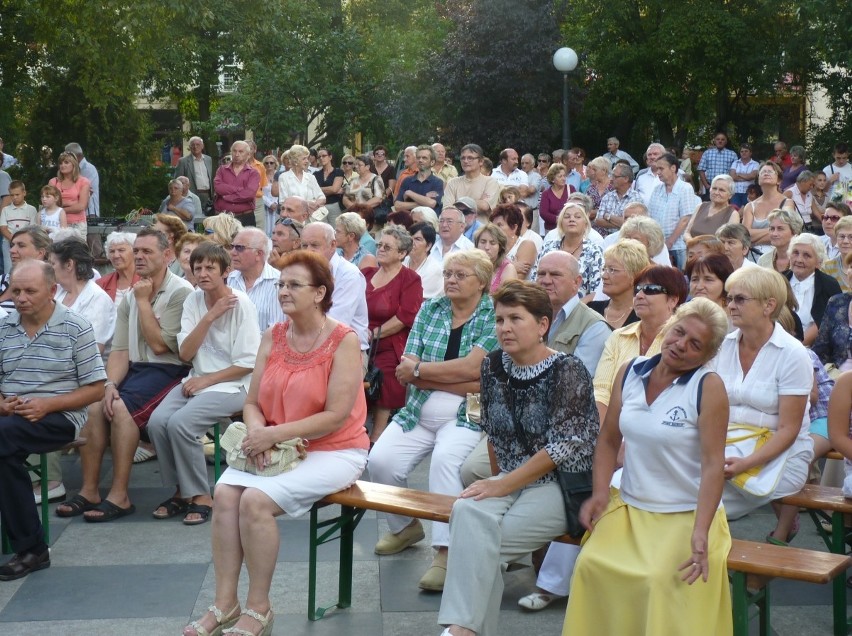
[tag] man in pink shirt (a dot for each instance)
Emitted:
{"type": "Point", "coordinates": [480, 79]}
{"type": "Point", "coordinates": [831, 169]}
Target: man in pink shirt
{"type": "Point", "coordinates": [236, 185]}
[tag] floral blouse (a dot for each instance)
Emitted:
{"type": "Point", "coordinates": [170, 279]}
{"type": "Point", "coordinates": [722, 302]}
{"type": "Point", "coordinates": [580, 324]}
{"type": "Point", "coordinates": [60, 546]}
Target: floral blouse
{"type": "Point", "coordinates": [596, 196]}
{"type": "Point", "coordinates": [562, 422]}
{"type": "Point", "coordinates": [591, 264]}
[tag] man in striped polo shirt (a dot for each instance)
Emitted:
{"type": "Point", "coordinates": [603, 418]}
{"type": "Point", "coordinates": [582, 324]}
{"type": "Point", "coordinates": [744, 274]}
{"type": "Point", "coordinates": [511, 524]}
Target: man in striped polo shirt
{"type": "Point", "coordinates": [50, 371]}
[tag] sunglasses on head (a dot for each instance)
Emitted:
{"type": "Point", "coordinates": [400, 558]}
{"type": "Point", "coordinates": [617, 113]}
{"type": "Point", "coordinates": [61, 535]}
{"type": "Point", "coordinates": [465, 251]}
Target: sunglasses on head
{"type": "Point", "coordinates": [650, 289]}
{"type": "Point", "coordinates": [288, 222]}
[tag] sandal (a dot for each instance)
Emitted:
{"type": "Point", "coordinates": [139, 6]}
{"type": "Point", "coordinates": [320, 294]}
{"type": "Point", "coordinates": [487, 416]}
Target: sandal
{"type": "Point", "coordinates": [173, 506]}
{"type": "Point", "coordinates": [142, 455]}
{"type": "Point", "coordinates": [265, 624]}
{"type": "Point", "coordinates": [110, 512]}
{"type": "Point", "coordinates": [75, 506]}
{"type": "Point", "coordinates": [537, 601]}
{"type": "Point", "coordinates": [198, 509]}
{"type": "Point", "coordinates": [222, 621]}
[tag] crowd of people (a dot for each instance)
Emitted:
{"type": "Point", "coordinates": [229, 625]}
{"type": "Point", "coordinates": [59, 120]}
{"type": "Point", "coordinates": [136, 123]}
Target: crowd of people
{"type": "Point", "coordinates": [680, 323]}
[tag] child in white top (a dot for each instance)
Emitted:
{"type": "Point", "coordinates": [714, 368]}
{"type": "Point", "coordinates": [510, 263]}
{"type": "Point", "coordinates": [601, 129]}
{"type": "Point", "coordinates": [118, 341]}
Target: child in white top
{"type": "Point", "coordinates": [51, 216]}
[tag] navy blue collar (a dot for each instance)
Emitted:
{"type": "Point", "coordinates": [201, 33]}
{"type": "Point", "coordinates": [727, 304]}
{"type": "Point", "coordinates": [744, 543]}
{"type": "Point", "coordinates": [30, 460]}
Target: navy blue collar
{"type": "Point", "coordinates": [643, 370]}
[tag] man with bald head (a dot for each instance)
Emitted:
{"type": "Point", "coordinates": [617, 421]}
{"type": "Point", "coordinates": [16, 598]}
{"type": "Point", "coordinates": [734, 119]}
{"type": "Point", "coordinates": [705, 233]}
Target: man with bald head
{"type": "Point", "coordinates": [253, 275]}
{"type": "Point", "coordinates": [295, 208]}
{"type": "Point", "coordinates": [349, 298]}
{"type": "Point", "coordinates": [236, 185]}
{"type": "Point", "coordinates": [442, 169]}
{"type": "Point", "coordinates": [508, 173]}
{"type": "Point", "coordinates": [50, 371]}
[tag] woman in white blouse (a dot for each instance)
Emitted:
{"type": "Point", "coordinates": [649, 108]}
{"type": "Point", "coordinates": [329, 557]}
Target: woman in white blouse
{"type": "Point", "coordinates": [298, 181]}
{"type": "Point", "coordinates": [431, 272]}
{"type": "Point", "coordinates": [768, 377]}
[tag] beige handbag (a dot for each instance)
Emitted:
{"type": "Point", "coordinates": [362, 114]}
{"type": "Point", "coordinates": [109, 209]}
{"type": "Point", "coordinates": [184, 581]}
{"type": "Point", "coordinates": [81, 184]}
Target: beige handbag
{"type": "Point", "coordinates": [473, 409]}
{"type": "Point", "coordinates": [285, 455]}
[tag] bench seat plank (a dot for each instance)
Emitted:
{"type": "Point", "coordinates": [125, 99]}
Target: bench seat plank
{"type": "Point", "coordinates": [394, 500]}
{"type": "Point", "coordinates": [764, 559]}
{"type": "Point", "coordinates": [814, 496]}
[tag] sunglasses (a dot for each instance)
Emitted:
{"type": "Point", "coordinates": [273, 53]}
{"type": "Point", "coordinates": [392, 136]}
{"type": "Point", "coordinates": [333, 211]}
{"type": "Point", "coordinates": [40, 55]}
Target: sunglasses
{"type": "Point", "coordinates": [348, 163]}
{"type": "Point", "coordinates": [831, 217]}
{"type": "Point", "coordinates": [288, 222]}
{"type": "Point", "coordinates": [239, 249]}
{"type": "Point", "coordinates": [268, 163]}
{"type": "Point", "coordinates": [739, 299]}
{"type": "Point", "coordinates": [650, 289]}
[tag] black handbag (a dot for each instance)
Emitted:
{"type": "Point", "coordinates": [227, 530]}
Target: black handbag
{"type": "Point", "coordinates": [374, 377]}
{"type": "Point", "coordinates": [576, 486]}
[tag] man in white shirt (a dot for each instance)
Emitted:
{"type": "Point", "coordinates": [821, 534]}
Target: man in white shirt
{"type": "Point", "coordinates": [743, 171]}
{"type": "Point", "coordinates": [508, 173]}
{"type": "Point", "coordinates": [613, 154]}
{"type": "Point", "coordinates": [349, 298]}
{"type": "Point", "coordinates": [451, 238]}
{"type": "Point", "coordinates": [253, 275]}
{"type": "Point", "coordinates": [646, 179]}
{"type": "Point", "coordinates": [533, 181]}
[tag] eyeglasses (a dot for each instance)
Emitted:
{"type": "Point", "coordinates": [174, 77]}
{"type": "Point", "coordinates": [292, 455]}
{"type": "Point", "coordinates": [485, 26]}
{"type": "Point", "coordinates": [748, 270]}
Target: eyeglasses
{"type": "Point", "coordinates": [268, 163]}
{"type": "Point", "coordinates": [288, 222]}
{"type": "Point", "coordinates": [843, 237]}
{"type": "Point", "coordinates": [386, 246]}
{"type": "Point", "coordinates": [739, 299]}
{"type": "Point", "coordinates": [650, 289]}
{"type": "Point", "coordinates": [609, 271]}
{"type": "Point", "coordinates": [239, 249]}
{"type": "Point", "coordinates": [292, 285]}
{"type": "Point", "coordinates": [447, 221]}
{"type": "Point", "coordinates": [322, 156]}
{"type": "Point", "coordinates": [544, 160]}
{"type": "Point", "coordinates": [469, 158]}
{"type": "Point", "coordinates": [348, 163]}
{"type": "Point", "coordinates": [450, 275]}
{"type": "Point", "coordinates": [831, 217]}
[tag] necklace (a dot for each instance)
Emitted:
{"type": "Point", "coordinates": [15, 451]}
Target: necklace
{"type": "Point", "coordinates": [642, 346]}
{"type": "Point", "coordinates": [313, 344]}
{"type": "Point", "coordinates": [565, 247]}
{"type": "Point", "coordinates": [612, 320]}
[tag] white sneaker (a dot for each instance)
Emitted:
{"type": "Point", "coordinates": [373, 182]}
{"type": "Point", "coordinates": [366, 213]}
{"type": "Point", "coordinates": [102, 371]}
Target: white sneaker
{"type": "Point", "coordinates": [537, 601]}
{"type": "Point", "coordinates": [53, 495]}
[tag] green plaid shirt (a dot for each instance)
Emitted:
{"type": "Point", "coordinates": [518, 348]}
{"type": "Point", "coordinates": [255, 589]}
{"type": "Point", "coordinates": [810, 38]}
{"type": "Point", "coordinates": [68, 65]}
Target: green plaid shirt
{"type": "Point", "coordinates": [428, 341]}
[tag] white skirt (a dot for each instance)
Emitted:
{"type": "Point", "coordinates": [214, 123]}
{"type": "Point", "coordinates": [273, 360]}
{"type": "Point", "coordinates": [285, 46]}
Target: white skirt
{"type": "Point", "coordinates": [296, 491]}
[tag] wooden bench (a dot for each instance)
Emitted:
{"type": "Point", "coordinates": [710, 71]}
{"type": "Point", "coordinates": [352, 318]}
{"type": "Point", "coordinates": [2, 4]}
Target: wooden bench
{"type": "Point", "coordinates": [827, 503]}
{"type": "Point", "coordinates": [40, 470]}
{"type": "Point", "coordinates": [750, 565]}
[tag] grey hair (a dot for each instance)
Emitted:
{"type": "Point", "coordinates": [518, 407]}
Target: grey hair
{"type": "Point", "coordinates": [812, 241]}
{"type": "Point", "coordinates": [74, 148]}
{"type": "Point", "coordinates": [728, 181]}
{"type": "Point", "coordinates": [401, 235]}
{"type": "Point", "coordinates": [259, 236]}
{"type": "Point", "coordinates": [115, 238]}
{"type": "Point", "coordinates": [196, 138]}
{"type": "Point", "coordinates": [428, 214]}
{"type": "Point", "coordinates": [804, 175]}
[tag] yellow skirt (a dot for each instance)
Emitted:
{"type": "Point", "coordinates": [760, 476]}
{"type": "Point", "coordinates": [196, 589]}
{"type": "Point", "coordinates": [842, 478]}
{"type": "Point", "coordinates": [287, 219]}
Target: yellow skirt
{"type": "Point", "coordinates": [626, 581]}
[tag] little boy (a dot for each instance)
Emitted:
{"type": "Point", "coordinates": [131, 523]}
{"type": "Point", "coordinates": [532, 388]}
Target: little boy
{"type": "Point", "coordinates": [16, 215]}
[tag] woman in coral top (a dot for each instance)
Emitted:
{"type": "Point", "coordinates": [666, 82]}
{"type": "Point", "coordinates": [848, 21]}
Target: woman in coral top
{"type": "Point", "coordinates": [289, 397]}
{"type": "Point", "coordinates": [75, 190]}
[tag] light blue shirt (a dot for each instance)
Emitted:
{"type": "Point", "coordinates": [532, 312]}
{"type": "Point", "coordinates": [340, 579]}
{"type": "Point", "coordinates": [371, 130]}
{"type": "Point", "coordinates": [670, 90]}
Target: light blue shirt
{"type": "Point", "coordinates": [264, 295]}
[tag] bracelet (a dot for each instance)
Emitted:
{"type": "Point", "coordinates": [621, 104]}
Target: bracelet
{"type": "Point", "coordinates": [109, 383]}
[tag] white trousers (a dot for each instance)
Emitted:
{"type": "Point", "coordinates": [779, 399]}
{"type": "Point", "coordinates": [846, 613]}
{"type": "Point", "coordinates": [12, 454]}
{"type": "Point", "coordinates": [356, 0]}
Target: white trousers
{"type": "Point", "coordinates": [397, 453]}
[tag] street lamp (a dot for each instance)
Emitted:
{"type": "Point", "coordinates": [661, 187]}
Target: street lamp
{"type": "Point", "coordinates": [565, 61]}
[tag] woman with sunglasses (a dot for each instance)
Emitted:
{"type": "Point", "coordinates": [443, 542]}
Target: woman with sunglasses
{"type": "Point", "coordinates": [768, 376]}
{"type": "Point", "coordinates": [658, 291]}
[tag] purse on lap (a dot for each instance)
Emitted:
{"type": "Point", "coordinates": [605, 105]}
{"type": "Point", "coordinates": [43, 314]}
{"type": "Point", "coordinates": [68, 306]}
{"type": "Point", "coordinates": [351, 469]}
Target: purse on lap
{"type": "Point", "coordinates": [286, 455]}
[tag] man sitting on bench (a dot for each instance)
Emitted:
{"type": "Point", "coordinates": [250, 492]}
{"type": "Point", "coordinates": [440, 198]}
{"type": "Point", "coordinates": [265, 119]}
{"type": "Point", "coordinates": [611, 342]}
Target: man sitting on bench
{"type": "Point", "coordinates": [50, 371]}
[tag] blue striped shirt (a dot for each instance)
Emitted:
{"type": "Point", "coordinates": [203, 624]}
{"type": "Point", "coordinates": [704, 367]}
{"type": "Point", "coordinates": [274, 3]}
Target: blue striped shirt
{"type": "Point", "coordinates": [264, 295]}
{"type": "Point", "coordinates": [62, 357]}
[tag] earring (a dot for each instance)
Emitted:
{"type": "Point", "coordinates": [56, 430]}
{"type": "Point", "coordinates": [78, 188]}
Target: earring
{"type": "Point", "coordinates": [541, 338]}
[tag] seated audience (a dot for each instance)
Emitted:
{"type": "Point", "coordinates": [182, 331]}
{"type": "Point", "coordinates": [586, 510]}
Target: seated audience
{"type": "Point", "coordinates": [736, 244]}
{"type": "Point", "coordinates": [659, 555]}
{"type": "Point", "coordinates": [811, 287]}
{"type": "Point", "coordinates": [490, 239]}
{"type": "Point", "coordinates": [299, 363]}
{"type": "Point", "coordinates": [623, 261]}
{"type": "Point", "coordinates": [520, 251]}
{"type": "Point", "coordinates": [783, 226]}
{"type": "Point", "coordinates": [219, 336]}
{"type": "Point", "coordinates": [179, 204]}
{"type": "Point", "coordinates": [286, 238]}
{"type": "Point", "coordinates": [499, 520]}
{"type": "Point", "coordinates": [423, 237]}
{"type": "Point", "coordinates": [835, 267]}
{"type": "Point", "coordinates": [349, 229]}
{"type": "Point", "coordinates": [119, 248]}
{"type": "Point", "coordinates": [174, 230]}
{"type": "Point", "coordinates": [707, 276]}
{"type": "Point", "coordinates": [835, 330]}
{"type": "Point", "coordinates": [252, 275]}
{"type": "Point", "coordinates": [184, 248]}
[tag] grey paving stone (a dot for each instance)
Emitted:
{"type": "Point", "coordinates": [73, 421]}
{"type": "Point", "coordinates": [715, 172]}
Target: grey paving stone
{"type": "Point", "coordinates": [99, 627]}
{"type": "Point", "coordinates": [295, 541]}
{"type": "Point", "coordinates": [118, 591]}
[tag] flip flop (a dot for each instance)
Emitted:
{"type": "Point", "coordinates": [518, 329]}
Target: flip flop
{"type": "Point", "coordinates": [174, 506]}
{"type": "Point", "coordinates": [78, 504]}
{"type": "Point", "coordinates": [142, 455]}
{"type": "Point", "coordinates": [199, 509]}
{"type": "Point", "coordinates": [110, 511]}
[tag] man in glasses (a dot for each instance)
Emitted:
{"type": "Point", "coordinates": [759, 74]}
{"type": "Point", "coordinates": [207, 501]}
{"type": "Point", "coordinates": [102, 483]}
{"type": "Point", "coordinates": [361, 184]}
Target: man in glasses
{"type": "Point", "coordinates": [197, 169]}
{"type": "Point", "coordinates": [451, 225]}
{"type": "Point", "coordinates": [483, 190]}
{"type": "Point", "coordinates": [286, 237]}
{"type": "Point", "coordinates": [252, 274]}
{"type": "Point", "coordinates": [143, 367]}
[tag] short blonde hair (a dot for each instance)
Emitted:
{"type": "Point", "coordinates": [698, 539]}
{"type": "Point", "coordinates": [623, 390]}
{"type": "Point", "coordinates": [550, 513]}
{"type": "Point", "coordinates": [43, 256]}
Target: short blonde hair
{"type": "Point", "coordinates": [845, 223]}
{"type": "Point", "coordinates": [599, 163]}
{"type": "Point", "coordinates": [567, 206]}
{"type": "Point", "coordinates": [222, 228]}
{"type": "Point", "coordinates": [297, 152]}
{"type": "Point", "coordinates": [812, 241]}
{"type": "Point", "coordinates": [761, 284]}
{"type": "Point", "coordinates": [630, 253]}
{"type": "Point", "coordinates": [710, 314]}
{"type": "Point", "coordinates": [352, 223]}
{"type": "Point", "coordinates": [788, 218]}
{"type": "Point", "coordinates": [498, 235]}
{"type": "Point", "coordinates": [477, 260]}
{"type": "Point", "coordinates": [647, 227]}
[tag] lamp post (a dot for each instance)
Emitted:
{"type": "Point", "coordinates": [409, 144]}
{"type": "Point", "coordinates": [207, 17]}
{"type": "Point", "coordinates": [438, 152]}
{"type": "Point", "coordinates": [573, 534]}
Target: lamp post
{"type": "Point", "coordinates": [565, 61]}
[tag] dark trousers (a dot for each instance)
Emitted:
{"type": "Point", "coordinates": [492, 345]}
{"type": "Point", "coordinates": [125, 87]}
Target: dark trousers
{"type": "Point", "coordinates": [18, 439]}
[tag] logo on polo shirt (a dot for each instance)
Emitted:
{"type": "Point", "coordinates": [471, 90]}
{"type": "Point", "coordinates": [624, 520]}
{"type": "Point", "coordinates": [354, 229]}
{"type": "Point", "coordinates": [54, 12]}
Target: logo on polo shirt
{"type": "Point", "coordinates": [676, 417]}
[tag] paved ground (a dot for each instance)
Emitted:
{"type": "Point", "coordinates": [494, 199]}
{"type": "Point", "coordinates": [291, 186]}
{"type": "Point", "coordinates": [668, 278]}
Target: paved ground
{"type": "Point", "coordinates": [143, 576]}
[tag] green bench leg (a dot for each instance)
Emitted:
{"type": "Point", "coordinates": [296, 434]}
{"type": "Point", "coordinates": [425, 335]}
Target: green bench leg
{"type": "Point", "coordinates": [340, 528]}
{"type": "Point", "coordinates": [741, 599]}
{"type": "Point", "coordinates": [838, 546]}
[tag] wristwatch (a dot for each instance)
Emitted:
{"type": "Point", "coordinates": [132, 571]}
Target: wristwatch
{"type": "Point", "coordinates": [417, 370]}
{"type": "Point", "coordinates": [607, 216]}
